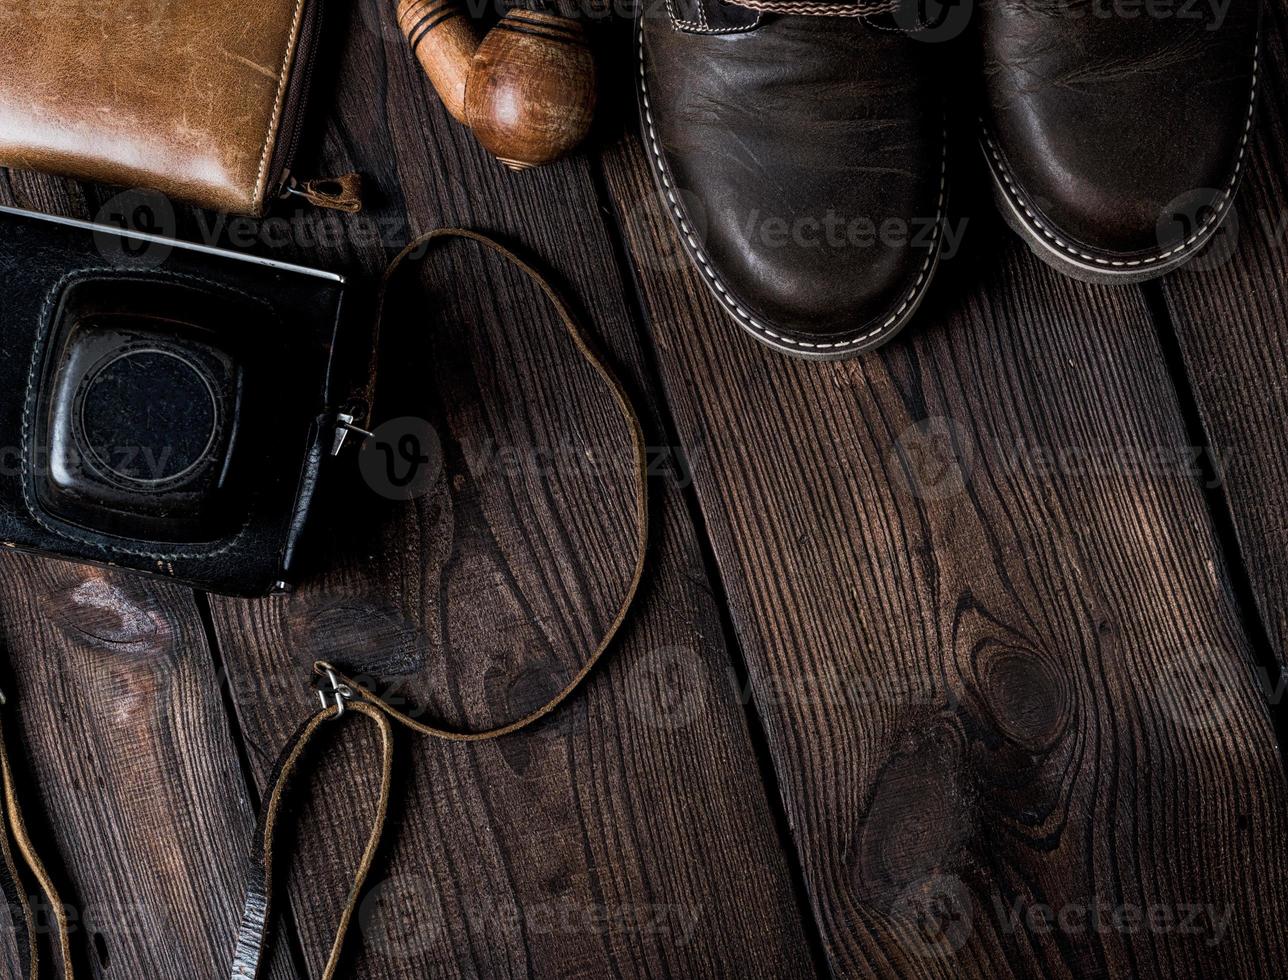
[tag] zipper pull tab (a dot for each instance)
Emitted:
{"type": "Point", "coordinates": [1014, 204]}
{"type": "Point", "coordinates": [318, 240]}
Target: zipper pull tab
{"type": "Point", "coordinates": [342, 193]}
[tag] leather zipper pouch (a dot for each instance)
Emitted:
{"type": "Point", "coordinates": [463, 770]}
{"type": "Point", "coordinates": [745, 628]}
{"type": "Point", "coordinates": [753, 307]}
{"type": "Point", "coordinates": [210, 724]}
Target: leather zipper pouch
{"type": "Point", "coordinates": [201, 101]}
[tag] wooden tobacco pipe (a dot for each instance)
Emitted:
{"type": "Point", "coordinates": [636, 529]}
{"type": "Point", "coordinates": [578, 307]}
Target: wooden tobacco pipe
{"type": "Point", "coordinates": [527, 90]}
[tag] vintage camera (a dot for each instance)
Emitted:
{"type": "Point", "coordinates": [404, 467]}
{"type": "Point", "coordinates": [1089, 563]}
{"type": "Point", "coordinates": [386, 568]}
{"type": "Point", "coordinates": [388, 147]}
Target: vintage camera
{"type": "Point", "coordinates": [163, 407]}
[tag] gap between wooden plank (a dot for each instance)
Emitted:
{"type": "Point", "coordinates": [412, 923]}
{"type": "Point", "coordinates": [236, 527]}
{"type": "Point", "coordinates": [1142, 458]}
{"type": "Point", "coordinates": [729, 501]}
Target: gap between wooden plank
{"type": "Point", "coordinates": [666, 421]}
{"type": "Point", "coordinates": [1269, 672]}
{"type": "Point", "coordinates": [285, 924]}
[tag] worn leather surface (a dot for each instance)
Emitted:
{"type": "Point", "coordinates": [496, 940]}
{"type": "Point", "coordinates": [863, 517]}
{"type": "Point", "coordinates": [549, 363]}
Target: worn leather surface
{"type": "Point", "coordinates": [283, 356]}
{"type": "Point", "coordinates": [1108, 123]}
{"type": "Point", "coordinates": [182, 97]}
{"type": "Point", "coordinates": [765, 138]}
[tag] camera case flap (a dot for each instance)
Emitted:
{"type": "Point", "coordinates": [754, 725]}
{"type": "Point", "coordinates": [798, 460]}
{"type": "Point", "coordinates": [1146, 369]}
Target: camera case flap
{"type": "Point", "coordinates": [168, 406]}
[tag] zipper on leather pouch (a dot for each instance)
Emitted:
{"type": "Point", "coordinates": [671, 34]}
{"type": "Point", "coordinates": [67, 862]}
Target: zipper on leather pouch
{"type": "Point", "coordinates": [338, 193]}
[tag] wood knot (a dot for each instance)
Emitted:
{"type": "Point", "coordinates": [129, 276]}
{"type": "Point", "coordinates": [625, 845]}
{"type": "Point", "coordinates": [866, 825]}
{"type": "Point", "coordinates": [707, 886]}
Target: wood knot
{"type": "Point", "coordinates": [921, 816]}
{"type": "Point", "coordinates": [97, 611]}
{"type": "Point", "coordinates": [371, 639]}
{"type": "Point", "coordinates": [1026, 698]}
{"type": "Point", "coordinates": [1018, 691]}
{"type": "Point", "coordinates": [512, 696]}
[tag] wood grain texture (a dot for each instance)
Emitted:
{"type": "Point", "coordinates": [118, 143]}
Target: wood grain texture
{"type": "Point", "coordinates": [131, 778]}
{"type": "Point", "coordinates": [628, 836]}
{"type": "Point", "coordinates": [991, 637]}
{"type": "Point", "coordinates": [982, 637]}
{"type": "Point", "coordinates": [1230, 310]}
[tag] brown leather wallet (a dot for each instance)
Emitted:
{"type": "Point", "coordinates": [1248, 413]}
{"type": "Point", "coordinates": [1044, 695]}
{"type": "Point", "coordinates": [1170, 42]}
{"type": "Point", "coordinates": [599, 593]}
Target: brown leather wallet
{"type": "Point", "coordinates": [201, 101]}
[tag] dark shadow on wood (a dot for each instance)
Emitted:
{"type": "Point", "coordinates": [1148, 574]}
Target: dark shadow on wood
{"type": "Point", "coordinates": [1269, 674]}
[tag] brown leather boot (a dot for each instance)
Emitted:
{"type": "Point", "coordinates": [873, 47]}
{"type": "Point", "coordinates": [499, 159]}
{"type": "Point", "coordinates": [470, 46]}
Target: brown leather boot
{"type": "Point", "coordinates": [1117, 130]}
{"type": "Point", "coordinates": [803, 160]}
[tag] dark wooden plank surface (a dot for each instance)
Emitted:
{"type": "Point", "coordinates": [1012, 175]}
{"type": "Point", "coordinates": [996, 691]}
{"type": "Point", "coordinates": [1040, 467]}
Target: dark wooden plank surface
{"type": "Point", "coordinates": [130, 775]}
{"type": "Point", "coordinates": [629, 836]}
{"type": "Point", "coordinates": [992, 683]}
{"type": "Point", "coordinates": [606, 841]}
{"type": "Point", "coordinates": [1231, 318]}
{"type": "Point", "coordinates": [983, 671]}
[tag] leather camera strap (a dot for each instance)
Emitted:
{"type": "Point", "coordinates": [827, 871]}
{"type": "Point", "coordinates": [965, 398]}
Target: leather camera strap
{"type": "Point", "coordinates": [342, 697]}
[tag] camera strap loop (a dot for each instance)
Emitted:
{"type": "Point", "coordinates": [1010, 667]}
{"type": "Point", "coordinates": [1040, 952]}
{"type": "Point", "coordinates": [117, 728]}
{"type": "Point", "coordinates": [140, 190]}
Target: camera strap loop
{"type": "Point", "coordinates": [342, 696]}
{"type": "Point", "coordinates": [252, 938]}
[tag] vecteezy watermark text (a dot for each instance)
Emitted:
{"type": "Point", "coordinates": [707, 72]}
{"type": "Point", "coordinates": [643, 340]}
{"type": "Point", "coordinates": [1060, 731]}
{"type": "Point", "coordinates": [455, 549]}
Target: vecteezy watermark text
{"type": "Point", "coordinates": [1211, 13]}
{"type": "Point", "coordinates": [833, 230]}
{"type": "Point", "coordinates": [1102, 916]}
{"type": "Point", "coordinates": [936, 458]}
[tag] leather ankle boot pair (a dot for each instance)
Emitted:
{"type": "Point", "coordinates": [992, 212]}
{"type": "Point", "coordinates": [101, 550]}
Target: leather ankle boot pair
{"type": "Point", "coordinates": [800, 146]}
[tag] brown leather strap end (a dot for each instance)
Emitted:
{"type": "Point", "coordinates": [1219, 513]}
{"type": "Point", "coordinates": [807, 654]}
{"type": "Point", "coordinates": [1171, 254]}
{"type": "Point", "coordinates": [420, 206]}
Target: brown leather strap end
{"type": "Point", "coordinates": [251, 950]}
{"type": "Point", "coordinates": [16, 839]}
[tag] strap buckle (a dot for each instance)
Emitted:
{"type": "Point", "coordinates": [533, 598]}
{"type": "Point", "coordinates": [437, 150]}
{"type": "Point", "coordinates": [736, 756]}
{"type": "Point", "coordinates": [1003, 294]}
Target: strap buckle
{"type": "Point", "coordinates": [340, 694]}
{"type": "Point", "coordinates": [345, 423]}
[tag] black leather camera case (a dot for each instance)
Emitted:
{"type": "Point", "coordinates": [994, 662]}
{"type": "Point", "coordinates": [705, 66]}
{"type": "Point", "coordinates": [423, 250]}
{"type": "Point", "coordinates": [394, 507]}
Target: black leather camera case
{"type": "Point", "coordinates": [163, 407]}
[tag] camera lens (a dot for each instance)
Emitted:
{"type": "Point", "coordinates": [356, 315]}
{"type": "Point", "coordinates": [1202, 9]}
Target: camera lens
{"type": "Point", "coordinates": [148, 415]}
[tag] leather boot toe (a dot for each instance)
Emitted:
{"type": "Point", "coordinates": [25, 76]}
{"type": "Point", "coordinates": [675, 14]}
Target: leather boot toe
{"type": "Point", "coordinates": [1116, 131]}
{"type": "Point", "coordinates": [803, 161]}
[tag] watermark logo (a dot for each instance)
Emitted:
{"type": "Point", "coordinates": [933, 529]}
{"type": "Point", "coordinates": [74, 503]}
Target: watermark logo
{"type": "Point", "coordinates": [143, 211]}
{"type": "Point", "coordinates": [668, 687]}
{"type": "Point", "coordinates": [1101, 916]}
{"type": "Point", "coordinates": [933, 459]}
{"type": "Point", "coordinates": [1190, 216]}
{"type": "Point", "coordinates": [501, 917]}
{"type": "Point", "coordinates": [934, 21]}
{"type": "Point", "coordinates": [939, 912]}
{"type": "Point", "coordinates": [402, 459]}
{"type": "Point", "coordinates": [1209, 14]}
{"type": "Point", "coordinates": [936, 459]}
{"type": "Point", "coordinates": [1203, 695]}
{"type": "Point", "coordinates": [836, 231]}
